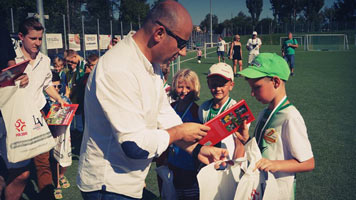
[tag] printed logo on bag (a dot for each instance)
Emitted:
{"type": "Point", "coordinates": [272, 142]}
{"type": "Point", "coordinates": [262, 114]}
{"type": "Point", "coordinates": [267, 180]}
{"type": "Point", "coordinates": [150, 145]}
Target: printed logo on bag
{"type": "Point", "coordinates": [254, 195]}
{"type": "Point", "coordinates": [38, 122]}
{"type": "Point", "coordinates": [271, 136]}
{"type": "Point", "coordinates": [20, 126]}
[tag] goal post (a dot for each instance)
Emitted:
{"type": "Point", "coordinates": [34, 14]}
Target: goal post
{"type": "Point", "coordinates": [208, 46]}
{"type": "Point", "coordinates": [326, 42]}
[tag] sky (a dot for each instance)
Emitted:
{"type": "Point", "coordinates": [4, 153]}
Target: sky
{"type": "Point", "coordinates": [225, 9]}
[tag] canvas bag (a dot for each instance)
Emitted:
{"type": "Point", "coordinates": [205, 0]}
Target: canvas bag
{"type": "Point", "coordinates": [27, 134]}
{"type": "Point", "coordinates": [168, 190]}
{"type": "Point", "coordinates": [62, 152]}
{"type": "Point", "coordinates": [219, 184]}
{"type": "Point", "coordinates": [256, 185]}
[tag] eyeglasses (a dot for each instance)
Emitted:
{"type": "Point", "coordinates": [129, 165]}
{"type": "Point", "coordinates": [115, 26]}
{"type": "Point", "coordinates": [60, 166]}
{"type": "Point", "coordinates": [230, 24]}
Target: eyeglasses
{"type": "Point", "coordinates": [180, 42]}
{"type": "Point", "coordinates": [59, 86]}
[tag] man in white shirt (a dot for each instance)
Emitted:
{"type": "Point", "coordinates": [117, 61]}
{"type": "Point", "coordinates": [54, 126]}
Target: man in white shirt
{"type": "Point", "coordinates": [253, 46]}
{"type": "Point", "coordinates": [128, 118]}
{"type": "Point", "coordinates": [221, 49]}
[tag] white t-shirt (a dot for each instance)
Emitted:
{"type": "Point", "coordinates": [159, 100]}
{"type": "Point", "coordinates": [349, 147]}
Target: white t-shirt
{"type": "Point", "coordinates": [221, 45]}
{"type": "Point", "coordinates": [253, 45]}
{"type": "Point", "coordinates": [286, 138]}
{"type": "Point", "coordinates": [126, 112]}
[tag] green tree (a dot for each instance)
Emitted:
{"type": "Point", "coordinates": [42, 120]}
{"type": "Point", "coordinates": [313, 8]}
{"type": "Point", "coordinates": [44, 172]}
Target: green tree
{"type": "Point", "coordinates": [345, 10]}
{"type": "Point", "coordinates": [205, 24]}
{"type": "Point", "coordinates": [254, 8]}
{"type": "Point", "coordinates": [312, 13]}
{"type": "Point", "coordinates": [134, 11]}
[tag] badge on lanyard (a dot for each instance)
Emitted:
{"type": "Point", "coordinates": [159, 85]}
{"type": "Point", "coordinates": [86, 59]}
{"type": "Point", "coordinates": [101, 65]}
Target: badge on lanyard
{"type": "Point", "coordinates": [271, 136]}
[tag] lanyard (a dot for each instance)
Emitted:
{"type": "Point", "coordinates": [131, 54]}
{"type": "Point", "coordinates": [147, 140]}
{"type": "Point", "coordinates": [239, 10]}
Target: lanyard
{"type": "Point", "coordinates": [208, 117]}
{"type": "Point", "coordinates": [186, 110]}
{"type": "Point", "coordinates": [274, 111]}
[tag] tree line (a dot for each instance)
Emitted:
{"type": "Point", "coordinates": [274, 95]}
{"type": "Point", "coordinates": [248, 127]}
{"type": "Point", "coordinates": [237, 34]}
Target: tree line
{"type": "Point", "coordinates": [288, 15]}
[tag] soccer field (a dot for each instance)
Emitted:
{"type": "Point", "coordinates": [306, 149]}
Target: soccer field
{"type": "Point", "coordinates": [323, 89]}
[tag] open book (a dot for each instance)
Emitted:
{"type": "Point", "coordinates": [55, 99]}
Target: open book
{"type": "Point", "coordinates": [227, 123]}
{"type": "Point", "coordinates": [10, 74]}
{"type": "Point", "coordinates": [61, 116]}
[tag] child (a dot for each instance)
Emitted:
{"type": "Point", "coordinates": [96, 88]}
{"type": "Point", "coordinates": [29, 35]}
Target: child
{"type": "Point", "coordinates": [280, 131]}
{"type": "Point", "coordinates": [185, 90]}
{"type": "Point", "coordinates": [59, 68]}
{"type": "Point", "coordinates": [199, 53]}
{"type": "Point", "coordinates": [221, 82]}
{"type": "Point", "coordinates": [62, 181]}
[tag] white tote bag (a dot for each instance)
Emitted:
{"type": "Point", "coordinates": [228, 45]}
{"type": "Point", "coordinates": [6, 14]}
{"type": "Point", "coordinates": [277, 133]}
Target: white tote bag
{"type": "Point", "coordinates": [256, 185]}
{"type": "Point", "coordinates": [62, 152]}
{"type": "Point", "coordinates": [168, 190]}
{"type": "Point", "coordinates": [27, 134]}
{"type": "Point", "coordinates": [219, 184]}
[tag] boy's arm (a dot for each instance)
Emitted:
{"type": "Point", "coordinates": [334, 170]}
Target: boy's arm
{"type": "Point", "coordinates": [291, 166]}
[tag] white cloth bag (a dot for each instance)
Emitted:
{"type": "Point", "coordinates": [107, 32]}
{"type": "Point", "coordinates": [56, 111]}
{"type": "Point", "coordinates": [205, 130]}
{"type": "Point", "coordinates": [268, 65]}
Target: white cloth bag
{"type": "Point", "coordinates": [256, 185]}
{"type": "Point", "coordinates": [62, 152]}
{"type": "Point", "coordinates": [219, 184]}
{"type": "Point", "coordinates": [27, 133]}
{"type": "Point", "coordinates": [168, 190]}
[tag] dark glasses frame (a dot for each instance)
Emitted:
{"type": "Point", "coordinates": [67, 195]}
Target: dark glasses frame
{"type": "Point", "coordinates": [180, 42]}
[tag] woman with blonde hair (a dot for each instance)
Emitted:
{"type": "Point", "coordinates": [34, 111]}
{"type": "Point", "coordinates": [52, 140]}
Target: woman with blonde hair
{"type": "Point", "coordinates": [236, 53]}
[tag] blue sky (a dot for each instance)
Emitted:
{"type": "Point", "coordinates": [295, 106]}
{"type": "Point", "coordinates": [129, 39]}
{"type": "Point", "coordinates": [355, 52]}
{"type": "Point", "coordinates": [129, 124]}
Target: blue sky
{"type": "Point", "coordinates": [224, 9]}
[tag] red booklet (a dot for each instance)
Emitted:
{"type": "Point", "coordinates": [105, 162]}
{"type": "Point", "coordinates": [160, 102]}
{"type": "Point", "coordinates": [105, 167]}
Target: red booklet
{"type": "Point", "coordinates": [61, 116]}
{"type": "Point", "coordinates": [8, 75]}
{"type": "Point", "coordinates": [227, 123]}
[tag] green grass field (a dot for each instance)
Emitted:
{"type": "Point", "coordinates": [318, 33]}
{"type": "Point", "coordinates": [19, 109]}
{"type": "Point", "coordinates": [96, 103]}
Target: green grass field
{"type": "Point", "coordinates": [324, 91]}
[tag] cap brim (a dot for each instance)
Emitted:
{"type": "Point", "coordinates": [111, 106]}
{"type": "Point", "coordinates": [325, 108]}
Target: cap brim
{"type": "Point", "coordinates": [228, 79]}
{"type": "Point", "coordinates": [252, 73]}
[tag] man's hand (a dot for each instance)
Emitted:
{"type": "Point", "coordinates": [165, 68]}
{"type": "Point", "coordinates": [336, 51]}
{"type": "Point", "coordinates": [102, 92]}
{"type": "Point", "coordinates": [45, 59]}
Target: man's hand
{"type": "Point", "coordinates": [209, 154]}
{"type": "Point", "coordinates": [23, 80]}
{"type": "Point", "coordinates": [187, 132]}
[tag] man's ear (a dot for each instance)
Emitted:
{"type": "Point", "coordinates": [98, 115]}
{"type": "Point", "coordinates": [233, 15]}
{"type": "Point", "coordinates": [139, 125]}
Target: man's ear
{"type": "Point", "coordinates": [158, 34]}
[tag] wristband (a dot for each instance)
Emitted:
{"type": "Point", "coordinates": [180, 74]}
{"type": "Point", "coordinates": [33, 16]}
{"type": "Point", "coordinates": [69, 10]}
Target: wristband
{"type": "Point", "coordinates": [196, 151]}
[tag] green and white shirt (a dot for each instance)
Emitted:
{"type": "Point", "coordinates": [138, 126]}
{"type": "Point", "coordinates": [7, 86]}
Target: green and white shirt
{"type": "Point", "coordinates": [283, 138]}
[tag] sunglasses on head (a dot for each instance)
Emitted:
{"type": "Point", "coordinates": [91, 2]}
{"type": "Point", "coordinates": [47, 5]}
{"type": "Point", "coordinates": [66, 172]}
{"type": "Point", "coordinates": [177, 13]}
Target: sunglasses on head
{"type": "Point", "coordinates": [59, 86]}
{"type": "Point", "coordinates": [180, 42]}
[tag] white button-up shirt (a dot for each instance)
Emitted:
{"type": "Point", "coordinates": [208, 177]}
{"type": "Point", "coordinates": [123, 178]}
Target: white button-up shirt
{"type": "Point", "coordinates": [39, 76]}
{"type": "Point", "coordinates": [126, 112]}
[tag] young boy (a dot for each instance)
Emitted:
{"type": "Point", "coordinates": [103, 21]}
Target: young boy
{"type": "Point", "coordinates": [221, 81]}
{"type": "Point", "coordinates": [280, 131]}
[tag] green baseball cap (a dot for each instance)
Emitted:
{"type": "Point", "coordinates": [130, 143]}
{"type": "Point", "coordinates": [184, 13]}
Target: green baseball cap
{"type": "Point", "coordinates": [267, 64]}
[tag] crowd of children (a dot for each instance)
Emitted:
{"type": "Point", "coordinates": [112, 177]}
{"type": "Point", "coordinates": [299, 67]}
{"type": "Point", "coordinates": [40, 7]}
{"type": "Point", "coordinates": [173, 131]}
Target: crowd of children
{"type": "Point", "coordinates": [280, 132]}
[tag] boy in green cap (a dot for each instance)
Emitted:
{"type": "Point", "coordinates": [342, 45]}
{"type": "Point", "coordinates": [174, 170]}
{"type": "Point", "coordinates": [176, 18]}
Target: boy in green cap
{"type": "Point", "coordinates": [280, 132]}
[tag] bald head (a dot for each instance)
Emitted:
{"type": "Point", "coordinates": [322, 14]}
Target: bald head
{"type": "Point", "coordinates": [171, 14]}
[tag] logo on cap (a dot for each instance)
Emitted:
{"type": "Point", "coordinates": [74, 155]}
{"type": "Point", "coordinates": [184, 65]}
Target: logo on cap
{"type": "Point", "coordinates": [256, 63]}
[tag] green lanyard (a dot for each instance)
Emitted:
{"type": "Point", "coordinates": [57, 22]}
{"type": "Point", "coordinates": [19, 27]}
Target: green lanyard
{"type": "Point", "coordinates": [268, 121]}
{"type": "Point", "coordinates": [220, 110]}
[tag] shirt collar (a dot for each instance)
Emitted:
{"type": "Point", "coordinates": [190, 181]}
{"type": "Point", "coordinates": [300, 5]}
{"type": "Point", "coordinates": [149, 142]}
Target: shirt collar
{"type": "Point", "coordinates": [142, 58]}
{"type": "Point", "coordinates": [21, 57]}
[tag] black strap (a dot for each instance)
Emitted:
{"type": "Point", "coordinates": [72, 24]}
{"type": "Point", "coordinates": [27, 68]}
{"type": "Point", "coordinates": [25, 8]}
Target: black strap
{"type": "Point", "coordinates": [196, 151]}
